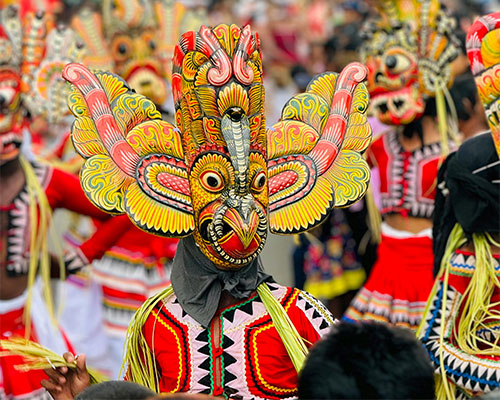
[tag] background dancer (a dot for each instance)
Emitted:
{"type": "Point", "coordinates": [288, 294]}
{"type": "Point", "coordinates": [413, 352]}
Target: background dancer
{"type": "Point", "coordinates": [406, 71]}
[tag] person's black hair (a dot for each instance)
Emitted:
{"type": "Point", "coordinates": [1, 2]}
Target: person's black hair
{"type": "Point", "coordinates": [330, 47]}
{"type": "Point", "coordinates": [367, 361]}
{"type": "Point", "coordinates": [464, 89]}
{"type": "Point", "coordinates": [415, 127]}
{"type": "Point", "coordinates": [300, 76]}
{"type": "Point", "coordinates": [115, 390]}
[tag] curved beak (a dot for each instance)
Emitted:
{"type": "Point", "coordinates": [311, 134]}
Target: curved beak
{"type": "Point", "coordinates": [244, 227]}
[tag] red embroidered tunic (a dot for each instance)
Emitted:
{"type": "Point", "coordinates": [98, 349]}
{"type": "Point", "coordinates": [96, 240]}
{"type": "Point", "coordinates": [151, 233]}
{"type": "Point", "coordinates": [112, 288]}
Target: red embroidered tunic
{"type": "Point", "coordinates": [407, 178]}
{"type": "Point", "coordinates": [240, 355]}
{"type": "Point", "coordinates": [63, 190]}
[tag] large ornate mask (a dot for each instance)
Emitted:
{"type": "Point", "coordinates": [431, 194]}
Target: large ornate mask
{"type": "Point", "coordinates": [407, 50]}
{"type": "Point", "coordinates": [224, 139]}
{"type": "Point", "coordinates": [46, 50]}
{"type": "Point", "coordinates": [131, 28]}
{"type": "Point", "coordinates": [10, 84]}
{"type": "Point", "coordinates": [483, 48]}
{"type": "Point", "coordinates": [220, 175]}
{"type": "Point", "coordinates": [32, 57]}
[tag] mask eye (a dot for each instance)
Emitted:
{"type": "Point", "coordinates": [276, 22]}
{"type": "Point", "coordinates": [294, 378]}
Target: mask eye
{"type": "Point", "coordinates": [397, 63]}
{"type": "Point", "coordinates": [121, 48]}
{"type": "Point", "coordinates": [212, 181]}
{"type": "Point", "coordinates": [259, 181]}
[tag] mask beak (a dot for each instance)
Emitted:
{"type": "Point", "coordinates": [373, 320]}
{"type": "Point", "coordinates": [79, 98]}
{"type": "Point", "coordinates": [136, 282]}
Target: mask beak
{"type": "Point", "coordinates": [244, 226]}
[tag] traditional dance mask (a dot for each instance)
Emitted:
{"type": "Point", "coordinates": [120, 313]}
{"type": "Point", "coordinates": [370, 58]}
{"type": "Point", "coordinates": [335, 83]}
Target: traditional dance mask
{"type": "Point", "coordinates": [220, 175]}
{"type": "Point", "coordinates": [10, 83]}
{"type": "Point", "coordinates": [483, 49]}
{"type": "Point", "coordinates": [32, 57]}
{"type": "Point", "coordinates": [132, 29]}
{"type": "Point", "coordinates": [408, 51]}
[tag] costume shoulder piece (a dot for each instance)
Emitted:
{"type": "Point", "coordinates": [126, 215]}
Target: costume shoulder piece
{"type": "Point", "coordinates": [220, 175]}
{"type": "Point", "coordinates": [483, 49]}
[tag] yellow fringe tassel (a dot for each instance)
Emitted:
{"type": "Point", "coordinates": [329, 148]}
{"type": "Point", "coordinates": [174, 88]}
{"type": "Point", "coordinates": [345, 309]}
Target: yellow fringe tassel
{"type": "Point", "coordinates": [441, 116]}
{"type": "Point", "coordinates": [139, 361]}
{"type": "Point", "coordinates": [294, 344]}
{"type": "Point", "coordinates": [39, 357]}
{"type": "Point", "coordinates": [374, 217]}
{"type": "Point", "coordinates": [40, 215]}
{"type": "Point", "coordinates": [476, 310]}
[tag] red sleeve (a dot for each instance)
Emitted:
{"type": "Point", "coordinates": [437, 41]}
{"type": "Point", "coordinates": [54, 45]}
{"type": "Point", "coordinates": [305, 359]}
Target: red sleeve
{"type": "Point", "coordinates": [310, 317]}
{"type": "Point", "coordinates": [105, 237]}
{"type": "Point", "coordinates": [64, 191]}
{"type": "Point", "coordinates": [373, 151]}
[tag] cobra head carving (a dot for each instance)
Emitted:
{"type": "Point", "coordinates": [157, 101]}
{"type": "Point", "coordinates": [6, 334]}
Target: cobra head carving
{"type": "Point", "coordinates": [219, 98]}
{"type": "Point", "coordinates": [408, 51]}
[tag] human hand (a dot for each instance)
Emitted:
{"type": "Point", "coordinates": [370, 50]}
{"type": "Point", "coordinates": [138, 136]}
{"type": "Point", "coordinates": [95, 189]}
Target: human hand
{"type": "Point", "coordinates": [65, 383]}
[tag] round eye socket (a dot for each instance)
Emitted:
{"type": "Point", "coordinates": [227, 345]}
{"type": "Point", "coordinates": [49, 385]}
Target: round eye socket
{"type": "Point", "coordinates": [212, 181]}
{"type": "Point", "coordinates": [259, 181]}
{"type": "Point", "coordinates": [397, 63]}
{"type": "Point", "coordinates": [121, 48]}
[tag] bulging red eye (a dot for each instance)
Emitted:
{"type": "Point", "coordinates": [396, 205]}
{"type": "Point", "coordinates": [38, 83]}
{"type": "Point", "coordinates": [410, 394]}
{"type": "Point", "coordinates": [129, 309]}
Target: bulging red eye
{"type": "Point", "coordinates": [397, 63]}
{"type": "Point", "coordinates": [212, 181]}
{"type": "Point", "coordinates": [259, 181]}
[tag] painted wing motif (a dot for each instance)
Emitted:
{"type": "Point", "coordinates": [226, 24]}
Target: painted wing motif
{"type": "Point", "coordinates": [315, 151]}
{"type": "Point", "coordinates": [483, 49]}
{"type": "Point", "coordinates": [134, 160]}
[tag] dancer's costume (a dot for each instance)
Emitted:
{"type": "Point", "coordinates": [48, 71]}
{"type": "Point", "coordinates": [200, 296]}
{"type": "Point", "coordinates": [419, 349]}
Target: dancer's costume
{"type": "Point", "coordinates": [32, 57]}
{"type": "Point", "coordinates": [220, 180]}
{"type": "Point", "coordinates": [462, 328]}
{"type": "Point", "coordinates": [408, 51]}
